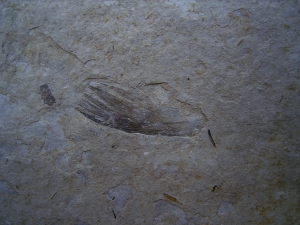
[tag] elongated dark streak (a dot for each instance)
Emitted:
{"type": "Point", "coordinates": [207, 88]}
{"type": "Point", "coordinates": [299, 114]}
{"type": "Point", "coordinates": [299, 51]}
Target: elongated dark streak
{"type": "Point", "coordinates": [114, 214]}
{"type": "Point", "coordinates": [93, 118]}
{"type": "Point", "coordinates": [211, 139]}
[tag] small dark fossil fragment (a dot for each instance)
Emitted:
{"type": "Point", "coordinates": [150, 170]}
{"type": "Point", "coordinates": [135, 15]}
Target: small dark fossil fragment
{"type": "Point", "coordinates": [131, 110]}
{"type": "Point", "coordinates": [47, 95]}
{"type": "Point", "coordinates": [214, 188]}
{"type": "Point", "coordinates": [211, 139]}
{"type": "Point", "coordinates": [171, 198]}
{"type": "Point", "coordinates": [115, 216]}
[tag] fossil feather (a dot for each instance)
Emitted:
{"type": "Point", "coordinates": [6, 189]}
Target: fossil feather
{"type": "Point", "coordinates": [131, 110]}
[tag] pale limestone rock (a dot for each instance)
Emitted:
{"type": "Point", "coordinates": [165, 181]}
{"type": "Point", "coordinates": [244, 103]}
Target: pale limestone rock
{"type": "Point", "coordinates": [232, 66]}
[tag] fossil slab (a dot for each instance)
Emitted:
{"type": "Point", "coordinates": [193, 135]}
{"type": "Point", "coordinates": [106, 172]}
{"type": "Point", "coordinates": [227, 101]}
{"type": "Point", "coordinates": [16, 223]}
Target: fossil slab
{"type": "Point", "coordinates": [131, 110]}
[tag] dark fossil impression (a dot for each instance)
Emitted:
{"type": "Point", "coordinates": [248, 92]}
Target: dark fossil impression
{"type": "Point", "coordinates": [47, 94]}
{"type": "Point", "coordinates": [131, 110]}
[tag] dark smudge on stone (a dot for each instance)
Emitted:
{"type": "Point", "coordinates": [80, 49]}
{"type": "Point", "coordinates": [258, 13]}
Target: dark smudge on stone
{"type": "Point", "coordinates": [47, 94]}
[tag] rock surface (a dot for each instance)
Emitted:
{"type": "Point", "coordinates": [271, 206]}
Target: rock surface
{"type": "Point", "coordinates": [231, 67]}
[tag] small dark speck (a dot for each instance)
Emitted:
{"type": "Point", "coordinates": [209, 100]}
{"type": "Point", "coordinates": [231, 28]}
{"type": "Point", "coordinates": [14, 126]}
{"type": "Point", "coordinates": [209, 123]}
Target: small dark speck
{"type": "Point", "coordinates": [214, 188]}
{"type": "Point", "coordinates": [240, 42]}
{"type": "Point", "coordinates": [281, 98]}
{"type": "Point", "coordinates": [113, 198]}
{"type": "Point", "coordinates": [188, 78]}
